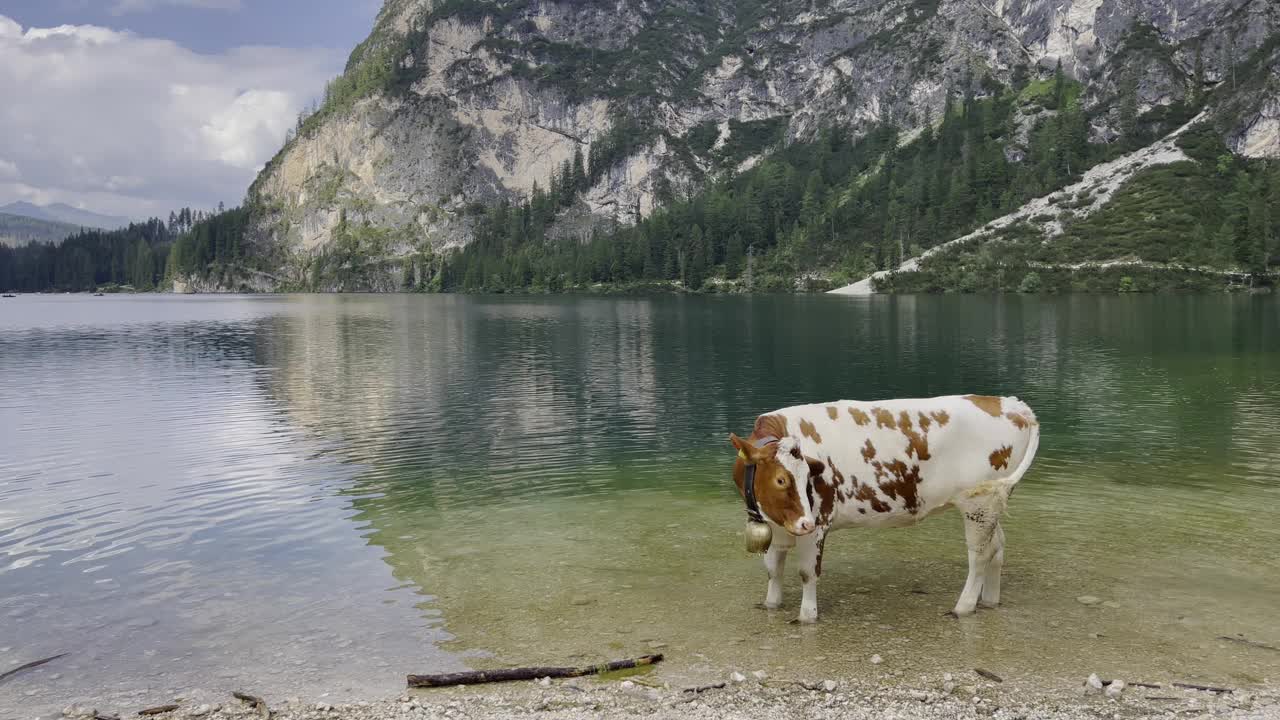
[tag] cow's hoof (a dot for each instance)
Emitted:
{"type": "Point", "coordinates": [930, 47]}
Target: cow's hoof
{"type": "Point", "coordinates": [988, 605]}
{"type": "Point", "coordinates": [951, 614]}
{"type": "Point", "coordinates": [767, 606]}
{"type": "Point", "coordinates": [802, 621]}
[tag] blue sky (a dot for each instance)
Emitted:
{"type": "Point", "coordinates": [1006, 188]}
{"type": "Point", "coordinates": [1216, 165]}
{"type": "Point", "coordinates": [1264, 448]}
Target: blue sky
{"type": "Point", "coordinates": [137, 107]}
{"type": "Point", "coordinates": [212, 25]}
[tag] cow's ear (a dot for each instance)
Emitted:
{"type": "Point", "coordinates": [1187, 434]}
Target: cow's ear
{"type": "Point", "coordinates": [816, 467]}
{"type": "Point", "coordinates": [748, 452]}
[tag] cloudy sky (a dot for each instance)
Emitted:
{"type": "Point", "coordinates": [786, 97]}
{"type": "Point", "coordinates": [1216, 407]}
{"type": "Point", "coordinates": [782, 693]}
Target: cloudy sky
{"type": "Point", "coordinates": [137, 107]}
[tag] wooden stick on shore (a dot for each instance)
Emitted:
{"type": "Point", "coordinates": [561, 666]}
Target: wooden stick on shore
{"type": "Point", "coordinates": [1135, 683]}
{"type": "Point", "coordinates": [254, 702]}
{"type": "Point", "coordinates": [1206, 688]}
{"type": "Point", "coordinates": [475, 677]}
{"type": "Point", "coordinates": [162, 709]}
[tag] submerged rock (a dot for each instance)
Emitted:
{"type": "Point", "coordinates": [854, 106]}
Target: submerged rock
{"type": "Point", "coordinates": [1094, 683]}
{"type": "Point", "coordinates": [1088, 600]}
{"type": "Point", "coordinates": [876, 659]}
{"type": "Point", "coordinates": [1115, 689]}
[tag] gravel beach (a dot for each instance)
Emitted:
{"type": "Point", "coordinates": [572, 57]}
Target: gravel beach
{"type": "Point", "coordinates": [958, 696]}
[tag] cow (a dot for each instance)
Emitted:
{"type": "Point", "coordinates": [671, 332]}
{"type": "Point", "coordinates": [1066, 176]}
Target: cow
{"type": "Point", "coordinates": [892, 463]}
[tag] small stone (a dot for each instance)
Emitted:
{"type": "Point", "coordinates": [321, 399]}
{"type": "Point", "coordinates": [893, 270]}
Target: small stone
{"type": "Point", "coordinates": [977, 700]}
{"type": "Point", "coordinates": [1111, 604]}
{"type": "Point", "coordinates": [627, 684]}
{"type": "Point", "coordinates": [947, 677]}
{"type": "Point", "coordinates": [581, 600]}
{"type": "Point", "coordinates": [829, 685]}
{"type": "Point", "coordinates": [948, 687]}
{"type": "Point", "coordinates": [544, 682]}
{"type": "Point", "coordinates": [657, 645]}
{"type": "Point", "coordinates": [1094, 682]}
{"type": "Point", "coordinates": [201, 711]}
{"type": "Point", "coordinates": [760, 675]}
{"type": "Point", "coordinates": [876, 659]}
{"type": "Point", "coordinates": [78, 711]}
{"type": "Point", "coordinates": [1088, 600]}
{"type": "Point", "coordinates": [738, 677]}
{"type": "Point", "coordinates": [1115, 689]}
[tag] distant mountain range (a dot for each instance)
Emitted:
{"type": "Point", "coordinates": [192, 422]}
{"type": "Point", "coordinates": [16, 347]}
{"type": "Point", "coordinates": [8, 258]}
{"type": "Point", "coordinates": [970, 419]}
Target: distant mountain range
{"type": "Point", "coordinates": [18, 230]}
{"type": "Point", "coordinates": [62, 213]}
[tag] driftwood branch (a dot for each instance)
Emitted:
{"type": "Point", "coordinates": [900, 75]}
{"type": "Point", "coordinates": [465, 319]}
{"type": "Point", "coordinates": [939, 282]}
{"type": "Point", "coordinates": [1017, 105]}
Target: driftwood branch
{"type": "Point", "coordinates": [1251, 643]}
{"type": "Point", "coordinates": [476, 677]}
{"type": "Point", "coordinates": [1206, 688]}
{"type": "Point", "coordinates": [254, 702]}
{"type": "Point", "coordinates": [158, 710]}
{"type": "Point", "coordinates": [703, 688]}
{"type": "Point", "coordinates": [989, 675]}
{"type": "Point", "coordinates": [1134, 683]}
{"type": "Point", "coordinates": [33, 664]}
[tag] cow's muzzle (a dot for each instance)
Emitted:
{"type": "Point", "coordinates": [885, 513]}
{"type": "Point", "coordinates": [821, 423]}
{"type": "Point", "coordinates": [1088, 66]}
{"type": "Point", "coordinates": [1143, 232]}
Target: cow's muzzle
{"type": "Point", "coordinates": [802, 527]}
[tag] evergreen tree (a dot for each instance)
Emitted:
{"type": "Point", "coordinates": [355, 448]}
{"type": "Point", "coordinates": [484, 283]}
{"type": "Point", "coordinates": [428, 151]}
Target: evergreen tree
{"type": "Point", "coordinates": [1128, 110]}
{"type": "Point", "coordinates": [579, 170]}
{"type": "Point", "coordinates": [733, 256]}
{"type": "Point", "coordinates": [696, 265]}
{"type": "Point", "coordinates": [1059, 86]}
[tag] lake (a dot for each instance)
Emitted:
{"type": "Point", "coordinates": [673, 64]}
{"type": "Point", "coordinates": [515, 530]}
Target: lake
{"type": "Point", "coordinates": [316, 495]}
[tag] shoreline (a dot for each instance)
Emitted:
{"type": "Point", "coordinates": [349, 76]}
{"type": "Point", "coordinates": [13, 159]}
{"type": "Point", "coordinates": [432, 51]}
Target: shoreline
{"type": "Point", "coordinates": [728, 695]}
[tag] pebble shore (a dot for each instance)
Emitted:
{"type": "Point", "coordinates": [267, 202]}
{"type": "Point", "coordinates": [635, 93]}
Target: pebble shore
{"type": "Point", "coordinates": [962, 696]}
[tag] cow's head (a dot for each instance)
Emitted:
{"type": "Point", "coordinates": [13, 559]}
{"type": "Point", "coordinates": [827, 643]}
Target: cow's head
{"type": "Point", "coordinates": [781, 481]}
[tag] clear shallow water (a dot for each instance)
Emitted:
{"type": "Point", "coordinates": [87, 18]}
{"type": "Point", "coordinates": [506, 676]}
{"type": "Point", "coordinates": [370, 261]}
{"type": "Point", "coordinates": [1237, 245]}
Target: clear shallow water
{"type": "Point", "coordinates": [319, 494]}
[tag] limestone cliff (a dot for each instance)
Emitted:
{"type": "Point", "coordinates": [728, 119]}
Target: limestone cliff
{"type": "Point", "coordinates": [454, 103]}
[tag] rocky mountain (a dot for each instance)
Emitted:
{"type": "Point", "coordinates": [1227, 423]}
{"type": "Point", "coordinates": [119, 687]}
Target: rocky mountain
{"type": "Point", "coordinates": [454, 106]}
{"type": "Point", "coordinates": [63, 213]}
{"type": "Point", "coordinates": [19, 230]}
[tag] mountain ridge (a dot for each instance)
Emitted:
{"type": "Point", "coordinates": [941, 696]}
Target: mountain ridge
{"type": "Point", "coordinates": [63, 213]}
{"type": "Point", "coordinates": [521, 144]}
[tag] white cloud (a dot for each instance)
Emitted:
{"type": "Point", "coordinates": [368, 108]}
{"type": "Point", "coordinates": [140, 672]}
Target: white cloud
{"type": "Point", "coordinates": [133, 125]}
{"type": "Point", "coordinates": [127, 6]}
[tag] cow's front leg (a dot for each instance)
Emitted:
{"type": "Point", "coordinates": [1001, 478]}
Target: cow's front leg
{"type": "Point", "coordinates": [775, 562]}
{"type": "Point", "coordinates": [809, 557]}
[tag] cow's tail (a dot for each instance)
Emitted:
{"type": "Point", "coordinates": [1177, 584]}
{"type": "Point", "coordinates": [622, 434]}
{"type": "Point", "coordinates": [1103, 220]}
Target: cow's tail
{"type": "Point", "coordinates": [1033, 444]}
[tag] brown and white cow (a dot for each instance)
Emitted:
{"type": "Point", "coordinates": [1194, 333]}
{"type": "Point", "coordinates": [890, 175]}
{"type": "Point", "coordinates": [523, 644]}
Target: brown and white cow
{"type": "Point", "coordinates": [818, 468]}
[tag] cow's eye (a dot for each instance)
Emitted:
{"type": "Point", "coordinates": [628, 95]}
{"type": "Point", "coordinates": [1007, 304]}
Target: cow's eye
{"type": "Point", "coordinates": [782, 482]}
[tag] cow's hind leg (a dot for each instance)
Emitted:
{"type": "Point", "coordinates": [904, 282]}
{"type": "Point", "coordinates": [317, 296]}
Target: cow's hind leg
{"type": "Point", "coordinates": [980, 525]}
{"type": "Point", "coordinates": [775, 562]}
{"type": "Point", "coordinates": [990, 596]}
